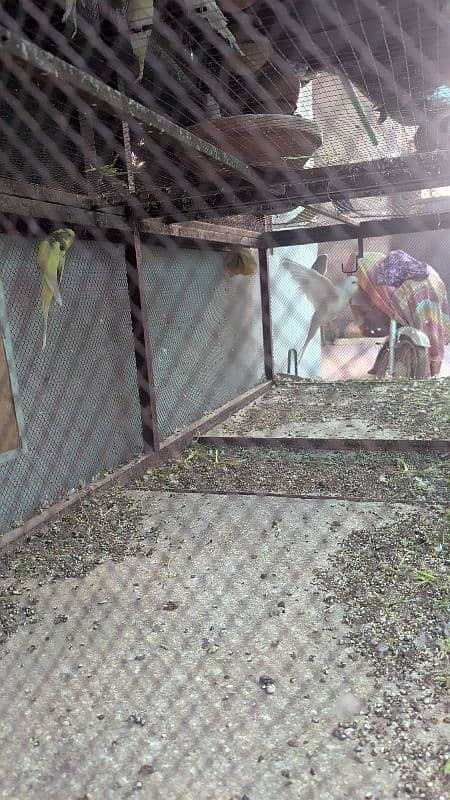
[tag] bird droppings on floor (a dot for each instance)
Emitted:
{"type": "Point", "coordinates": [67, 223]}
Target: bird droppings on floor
{"type": "Point", "coordinates": [351, 409]}
{"type": "Point", "coordinates": [217, 646]}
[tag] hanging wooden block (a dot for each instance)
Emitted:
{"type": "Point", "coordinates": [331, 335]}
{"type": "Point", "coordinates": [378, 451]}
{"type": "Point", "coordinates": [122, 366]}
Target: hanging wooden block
{"type": "Point", "coordinates": [140, 22]}
{"type": "Point", "coordinates": [256, 53]}
{"type": "Point", "coordinates": [11, 419]}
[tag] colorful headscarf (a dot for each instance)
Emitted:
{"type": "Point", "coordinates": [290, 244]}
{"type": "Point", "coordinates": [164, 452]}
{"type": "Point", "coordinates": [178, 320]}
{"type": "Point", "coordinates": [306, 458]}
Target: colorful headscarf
{"type": "Point", "coordinates": [399, 267]}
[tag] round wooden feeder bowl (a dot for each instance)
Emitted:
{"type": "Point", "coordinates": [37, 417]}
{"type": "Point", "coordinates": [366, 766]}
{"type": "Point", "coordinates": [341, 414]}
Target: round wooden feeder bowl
{"type": "Point", "coordinates": [263, 141]}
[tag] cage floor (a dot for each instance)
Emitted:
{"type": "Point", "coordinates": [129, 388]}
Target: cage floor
{"type": "Point", "coordinates": [139, 634]}
{"type": "Point", "coordinates": [151, 672]}
{"type": "Point", "coordinates": [264, 470]}
{"type": "Point", "coordinates": [349, 410]}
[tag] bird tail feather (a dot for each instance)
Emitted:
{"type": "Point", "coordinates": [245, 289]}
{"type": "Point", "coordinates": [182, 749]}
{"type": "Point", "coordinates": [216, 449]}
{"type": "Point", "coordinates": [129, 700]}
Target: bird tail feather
{"type": "Point", "coordinates": [54, 288]}
{"type": "Point", "coordinates": [300, 356]}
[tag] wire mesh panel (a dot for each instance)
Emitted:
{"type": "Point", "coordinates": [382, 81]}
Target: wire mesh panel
{"type": "Point", "coordinates": [291, 312]}
{"type": "Point", "coordinates": [295, 306]}
{"type": "Point", "coordinates": [206, 333]}
{"type": "Point", "coordinates": [79, 395]}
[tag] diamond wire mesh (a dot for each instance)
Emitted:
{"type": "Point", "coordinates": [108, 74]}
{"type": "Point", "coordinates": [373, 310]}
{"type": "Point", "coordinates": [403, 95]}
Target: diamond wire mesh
{"type": "Point", "coordinates": [197, 309]}
{"type": "Point", "coordinates": [83, 389]}
{"type": "Point", "coordinates": [345, 137]}
{"type": "Point", "coordinates": [292, 311]}
{"type": "Point", "coordinates": [180, 639]}
{"type": "Point", "coordinates": [89, 387]}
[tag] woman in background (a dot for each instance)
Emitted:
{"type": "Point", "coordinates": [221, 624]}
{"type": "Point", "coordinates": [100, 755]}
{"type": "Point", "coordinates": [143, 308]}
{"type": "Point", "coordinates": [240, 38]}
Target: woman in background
{"type": "Point", "coordinates": [406, 290]}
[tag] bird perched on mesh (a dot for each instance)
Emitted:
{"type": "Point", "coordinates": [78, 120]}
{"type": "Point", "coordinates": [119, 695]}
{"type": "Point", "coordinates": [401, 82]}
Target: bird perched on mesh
{"type": "Point", "coordinates": [343, 205]}
{"type": "Point", "coordinates": [241, 262]}
{"type": "Point", "coordinates": [328, 300]}
{"type": "Point", "coordinates": [51, 258]}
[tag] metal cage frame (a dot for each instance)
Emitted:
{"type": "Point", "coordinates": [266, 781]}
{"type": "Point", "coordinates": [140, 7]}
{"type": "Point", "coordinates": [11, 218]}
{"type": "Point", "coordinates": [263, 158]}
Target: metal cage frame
{"type": "Point", "coordinates": [19, 201]}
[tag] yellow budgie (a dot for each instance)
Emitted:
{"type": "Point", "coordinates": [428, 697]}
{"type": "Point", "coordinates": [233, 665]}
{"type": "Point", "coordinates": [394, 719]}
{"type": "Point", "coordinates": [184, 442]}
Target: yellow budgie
{"type": "Point", "coordinates": [51, 257]}
{"type": "Point", "coordinates": [241, 262]}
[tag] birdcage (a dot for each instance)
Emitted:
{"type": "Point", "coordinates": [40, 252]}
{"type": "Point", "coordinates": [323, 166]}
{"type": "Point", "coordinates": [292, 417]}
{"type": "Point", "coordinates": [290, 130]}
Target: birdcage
{"type": "Point", "coordinates": [224, 387]}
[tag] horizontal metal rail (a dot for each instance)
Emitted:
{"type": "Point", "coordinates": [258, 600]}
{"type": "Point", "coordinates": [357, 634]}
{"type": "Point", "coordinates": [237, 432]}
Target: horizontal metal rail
{"type": "Point", "coordinates": [372, 229]}
{"type": "Point", "coordinates": [316, 443]}
{"type": "Point", "coordinates": [381, 177]}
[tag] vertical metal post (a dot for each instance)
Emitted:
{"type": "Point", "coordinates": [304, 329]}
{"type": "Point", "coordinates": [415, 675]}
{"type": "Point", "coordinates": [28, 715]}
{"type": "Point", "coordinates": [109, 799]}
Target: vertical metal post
{"type": "Point", "coordinates": [392, 343]}
{"type": "Point", "coordinates": [360, 247]}
{"type": "Point", "coordinates": [136, 290]}
{"type": "Point", "coordinates": [139, 318]}
{"type": "Point", "coordinates": [141, 337]}
{"type": "Point", "coordinates": [292, 353]}
{"type": "Point", "coordinates": [266, 314]}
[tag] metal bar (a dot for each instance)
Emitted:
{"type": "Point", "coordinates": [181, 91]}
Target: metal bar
{"type": "Point", "coordinates": [139, 318]}
{"type": "Point", "coordinates": [371, 178]}
{"type": "Point", "coordinates": [119, 104]}
{"type": "Point", "coordinates": [80, 214]}
{"type": "Point", "coordinates": [208, 421]}
{"type": "Point", "coordinates": [208, 227]}
{"type": "Point", "coordinates": [392, 343]}
{"type": "Point", "coordinates": [132, 471]}
{"type": "Point", "coordinates": [33, 191]}
{"type": "Point", "coordinates": [266, 314]}
{"type": "Point", "coordinates": [29, 200]}
{"type": "Point", "coordinates": [322, 233]}
{"type": "Point", "coordinates": [336, 216]}
{"type": "Point", "coordinates": [292, 353]}
{"type": "Point", "coordinates": [191, 244]}
{"type": "Point", "coordinates": [413, 224]}
{"type": "Point", "coordinates": [301, 443]}
{"type": "Point", "coordinates": [360, 245]}
{"type": "Point", "coordinates": [385, 176]}
{"type": "Point", "coordinates": [335, 233]}
{"type": "Point", "coordinates": [354, 99]}
{"type": "Point", "coordinates": [201, 232]}
{"type": "Point", "coordinates": [142, 347]}
{"type": "Point", "coordinates": [350, 498]}
{"type": "Point", "coordinates": [40, 209]}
